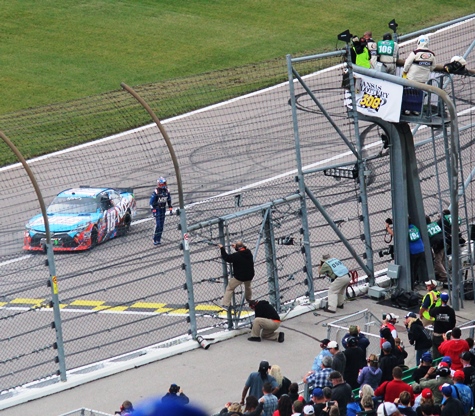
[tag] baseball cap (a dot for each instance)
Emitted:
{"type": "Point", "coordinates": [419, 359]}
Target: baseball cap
{"type": "Point", "coordinates": [446, 359]}
{"type": "Point", "coordinates": [332, 344]}
{"type": "Point", "coordinates": [391, 317]}
{"type": "Point", "coordinates": [390, 409]}
{"type": "Point", "coordinates": [335, 375]}
{"type": "Point", "coordinates": [264, 365]}
{"type": "Point", "coordinates": [443, 371]}
{"type": "Point", "coordinates": [446, 389]}
{"type": "Point", "coordinates": [386, 345]}
{"type": "Point", "coordinates": [411, 315]}
{"type": "Point", "coordinates": [318, 392]}
{"type": "Point", "coordinates": [325, 342]}
{"type": "Point", "coordinates": [444, 297]}
{"type": "Point", "coordinates": [309, 410]}
{"type": "Point", "coordinates": [426, 393]}
{"type": "Point", "coordinates": [427, 357]}
{"type": "Point", "coordinates": [467, 356]}
{"type": "Point", "coordinates": [431, 283]}
{"type": "Point", "coordinates": [444, 364]}
{"type": "Point", "coordinates": [459, 374]}
{"type": "Point", "coordinates": [326, 257]}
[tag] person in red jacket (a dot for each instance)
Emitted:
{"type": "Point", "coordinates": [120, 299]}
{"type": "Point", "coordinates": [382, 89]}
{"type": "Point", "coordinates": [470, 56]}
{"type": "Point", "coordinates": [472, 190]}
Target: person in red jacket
{"type": "Point", "coordinates": [453, 347]}
{"type": "Point", "coordinates": [390, 390]}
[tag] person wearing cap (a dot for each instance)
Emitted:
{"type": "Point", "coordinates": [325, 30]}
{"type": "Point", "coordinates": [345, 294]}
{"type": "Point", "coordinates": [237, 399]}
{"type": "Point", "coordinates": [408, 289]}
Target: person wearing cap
{"type": "Point", "coordinates": [435, 378]}
{"type": "Point", "coordinates": [388, 409]}
{"type": "Point", "coordinates": [338, 273]}
{"type": "Point", "coordinates": [320, 378]}
{"type": "Point", "coordinates": [266, 322]}
{"type": "Point", "coordinates": [355, 361]}
{"type": "Point", "coordinates": [423, 367]}
{"type": "Point", "coordinates": [370, 374]}
{"type": "Point", "coordinates": [390, 390]}
{"type": "Point", "coordinates": [462, 391]}
{"type": "Point", "coordinates": [339, 359]}
{"type": "Point", "coordinates": [469, 371]}
{"type": "Point", "coordinates": [341, 391]}
{"type": "Point", "coordinates": [388, 332]}
{"type": "Point", "coordinates": [448, 361]}
{"type": "Point", "coordinates": [354, 331]}
{"type": "Point", "coordinates": [418, 335]}
{"type": "Point", "coordinates": [317, 362]}
{"type": "Point", "coordinates": [318, 400]}
{"type": "Point", "coordinates": [159, 200]}
{"type": "Point", "coordinates": [424, 398]}
{"type": "Point", "coordinates": [430, 300]}
{"type": "Point", "coordinates": [387, 361]}
{"type": "Point", "coordinates": [453, 347]}
{"type": "Point", "coordinates": [308, 410]}
{"type": "Point", "coordinates": [256, 380]}
{"type": "Point", "coordinates": [243, 270]}
{"type": "Point", "coordinates": [452, 406]}
{"type": "Point", "coordinates": [444, 321]}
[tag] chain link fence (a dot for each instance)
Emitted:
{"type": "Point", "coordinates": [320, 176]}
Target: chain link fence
{"type": "Point", "coordinates": [237, 158]}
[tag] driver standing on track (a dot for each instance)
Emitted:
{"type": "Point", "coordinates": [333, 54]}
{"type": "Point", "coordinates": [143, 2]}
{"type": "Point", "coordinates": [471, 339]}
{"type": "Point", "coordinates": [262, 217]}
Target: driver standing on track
{"type": "Point", "coordinates": [159, 200]}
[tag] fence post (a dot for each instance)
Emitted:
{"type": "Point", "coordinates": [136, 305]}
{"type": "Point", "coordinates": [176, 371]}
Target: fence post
{"type": "Point", "coordinates": [272, 275]}
{"type": "Point", "coordinates": [52, 282]}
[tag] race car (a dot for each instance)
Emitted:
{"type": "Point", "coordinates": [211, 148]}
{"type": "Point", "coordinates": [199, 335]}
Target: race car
{"type": "Point", "coordinates": [80, 218]}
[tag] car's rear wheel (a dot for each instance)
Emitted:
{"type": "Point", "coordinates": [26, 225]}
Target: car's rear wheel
{"type": "Point", "coordinates": [94, 234]}
{"type": "Point", "coordinates": [125, 226]}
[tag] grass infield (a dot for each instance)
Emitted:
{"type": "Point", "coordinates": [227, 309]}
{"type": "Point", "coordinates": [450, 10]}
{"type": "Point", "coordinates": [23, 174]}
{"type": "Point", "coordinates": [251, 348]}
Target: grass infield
{"type": "Point", "coordinates": [62, 52]}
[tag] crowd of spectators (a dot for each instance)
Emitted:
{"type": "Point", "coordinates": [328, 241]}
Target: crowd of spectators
{"type": "Point", "coordinates": [351, 382]}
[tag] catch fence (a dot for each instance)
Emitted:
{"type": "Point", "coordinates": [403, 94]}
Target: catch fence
{"type": "Point", "coordinates": [238, 165]}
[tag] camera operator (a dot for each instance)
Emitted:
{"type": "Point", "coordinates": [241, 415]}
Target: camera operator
{"type": "Point", "coordinates": [176, 393]}
{"type": "Point", "coordinates": [388, 238]}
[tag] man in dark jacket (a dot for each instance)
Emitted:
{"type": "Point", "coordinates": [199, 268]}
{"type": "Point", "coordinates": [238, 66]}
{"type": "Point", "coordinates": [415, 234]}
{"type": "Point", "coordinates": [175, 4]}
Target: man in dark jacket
{"type": "Point", "coordinates": [387, 362]}
{"type": "Point", "coordinates": [243, 269]}
{"type": "Point", "coordinates": [444, 320]}
{"type": "Point", "coordinates": [266, 322]}
{"type": "Point", "coordinates": [355, 361]}
{"type": "Point", "coordinates": [341, 391]}
{"type": "Point", "coordinates": [418, 335]}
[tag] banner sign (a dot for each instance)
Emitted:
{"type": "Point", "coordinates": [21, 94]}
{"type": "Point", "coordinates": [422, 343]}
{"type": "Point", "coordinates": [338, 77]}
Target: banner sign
{"type": "Point", "coordinates": [378, 98]}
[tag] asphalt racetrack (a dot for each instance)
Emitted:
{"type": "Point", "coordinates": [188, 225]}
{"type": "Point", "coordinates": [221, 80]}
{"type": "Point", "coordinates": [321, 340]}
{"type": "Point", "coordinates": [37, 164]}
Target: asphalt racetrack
{"type": "Point", "coordinates": [126, 294]}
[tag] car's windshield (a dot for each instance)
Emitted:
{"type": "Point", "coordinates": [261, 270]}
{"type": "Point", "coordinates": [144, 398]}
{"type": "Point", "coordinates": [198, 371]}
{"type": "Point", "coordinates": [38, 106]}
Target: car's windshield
{"type": "Point", "coordinates": [72, 205]}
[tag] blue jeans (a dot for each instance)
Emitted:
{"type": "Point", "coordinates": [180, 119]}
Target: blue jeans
{"type": "Point", "coordinates": [159, 221]}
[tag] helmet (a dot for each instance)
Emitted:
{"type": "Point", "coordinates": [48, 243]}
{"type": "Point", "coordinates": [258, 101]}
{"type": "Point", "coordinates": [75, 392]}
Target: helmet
{"type": "Point", "coordinates": [444, 297]}
{"type": "Point", "coordinates": [459, 59]}
{"type": "Point", "coordinates": [423, 41]}
{"type": "Point", "coordinates": [387, 36]}
{"type": "Point", "coordinates": [161, 182]}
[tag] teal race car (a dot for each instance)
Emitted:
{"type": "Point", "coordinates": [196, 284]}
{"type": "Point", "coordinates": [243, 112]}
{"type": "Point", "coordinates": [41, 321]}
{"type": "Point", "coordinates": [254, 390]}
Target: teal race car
{"type": "Point", "coordinates": [81, 218]}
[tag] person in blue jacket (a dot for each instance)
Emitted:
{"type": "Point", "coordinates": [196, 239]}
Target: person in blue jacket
{"type": "Point", "coordinates": [159, 200]}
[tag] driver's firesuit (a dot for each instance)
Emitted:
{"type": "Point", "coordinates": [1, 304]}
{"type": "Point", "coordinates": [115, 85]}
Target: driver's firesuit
{"type": "Point", "coordinates": [159, 200]}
